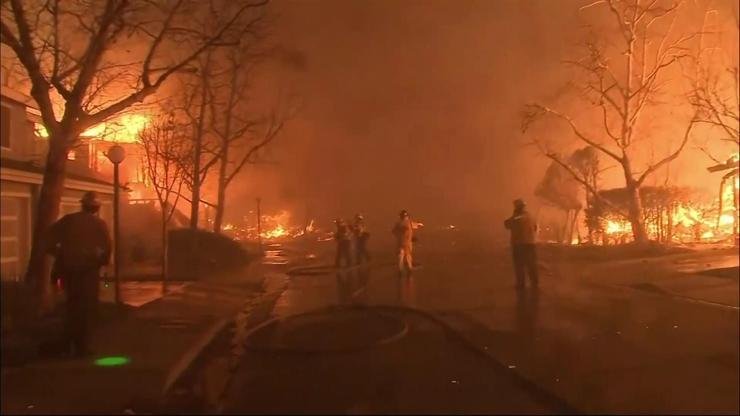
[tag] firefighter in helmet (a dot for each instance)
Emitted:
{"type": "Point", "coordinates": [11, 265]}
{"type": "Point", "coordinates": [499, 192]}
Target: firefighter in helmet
{"type": "Point", "coordinates": [404, 233]}
{"type": "Point", "coordinates": [523, 230]}
{"type": "Point", "coordinates": [361, 235]}
{"type": "Point", "coordinates": [81, 245]}
{"type": "Point", "coordinates": [343, 238]}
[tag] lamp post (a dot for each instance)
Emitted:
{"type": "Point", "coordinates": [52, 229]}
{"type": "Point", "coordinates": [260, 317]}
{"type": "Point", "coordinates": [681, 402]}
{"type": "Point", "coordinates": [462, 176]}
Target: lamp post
{"type": "Point", "coordinates": [116, 154]}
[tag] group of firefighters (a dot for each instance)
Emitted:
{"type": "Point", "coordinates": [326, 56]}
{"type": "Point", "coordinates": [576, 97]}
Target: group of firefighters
{"type": "Point", "coordinates": [81, 245]}
{"type": "Point", "coordinates": [348, 236]}
{"type": "Point", "coordinates": [356, 235]}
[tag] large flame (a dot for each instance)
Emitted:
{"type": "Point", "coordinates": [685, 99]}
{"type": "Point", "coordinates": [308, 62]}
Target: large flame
{"type": "Point", "coordinates": [691, 222]}
{"type": "Point", "coordinates": [273, 227]}
{"type": "Point", "coordinates": [618, 227]}
{"type": "Point", "coordinates": [277, 232]}
{"type": "Point", "coordinates": [123, 129]}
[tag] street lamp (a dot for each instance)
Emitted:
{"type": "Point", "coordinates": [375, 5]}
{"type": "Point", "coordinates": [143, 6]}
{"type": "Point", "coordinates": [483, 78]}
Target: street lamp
{"type": "Point", "coordinates": [116, 154]}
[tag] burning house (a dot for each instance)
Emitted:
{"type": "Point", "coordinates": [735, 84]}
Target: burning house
{"type": "Point", "coordinates": [729, 188]}
{"type": "Point", "coordinates": [671, 214]}
{"type": "Point", "coordinates": [21, 173]}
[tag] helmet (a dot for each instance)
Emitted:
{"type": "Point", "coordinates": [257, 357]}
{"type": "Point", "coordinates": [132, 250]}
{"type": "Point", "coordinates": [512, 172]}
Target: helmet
{"type": "Point", "coordinates": [90, 199]}
{"type": "Point", "coordinates": [359, 217]}
{"type": "Point", "coordinates": [519, 203]}
{"type": "Point", "coordinates": [404, 213]}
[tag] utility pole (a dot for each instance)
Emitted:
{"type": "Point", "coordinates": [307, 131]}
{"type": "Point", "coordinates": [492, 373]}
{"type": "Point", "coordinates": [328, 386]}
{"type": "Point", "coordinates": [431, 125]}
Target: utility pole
{"type": "Point", "coordinates": [259, 224]}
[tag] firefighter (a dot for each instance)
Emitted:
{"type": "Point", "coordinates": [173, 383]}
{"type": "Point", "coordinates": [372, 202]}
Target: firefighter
{"type": "Point", "coordinates": [344, 243]}
{"type": "Point", "coordinates": [81, 245]}
{"type": "Point", "coordinates": [361, 235]}
{"type": "Point", "coordinates": [404, 233]}
{"type": "Point", "coordinates": [523, 249]}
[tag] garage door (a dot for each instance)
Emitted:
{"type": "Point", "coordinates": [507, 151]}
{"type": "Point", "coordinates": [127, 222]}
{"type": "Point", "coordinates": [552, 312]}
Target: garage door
{"type": "Point", "coordinates": [10, 212]}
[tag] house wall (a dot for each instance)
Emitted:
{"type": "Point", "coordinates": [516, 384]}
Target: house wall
{"type": "Point", "coordinates": [21, 131]}
{"type": "Point", "coordinates": [19, 190]}
{"type": "Point", "coordinates": [15, 229]}
{"type": "Point", "coordinates": [17, 211]}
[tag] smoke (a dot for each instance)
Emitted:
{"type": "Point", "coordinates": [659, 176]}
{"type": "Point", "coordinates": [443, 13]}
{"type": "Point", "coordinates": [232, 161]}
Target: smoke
{"type": "Point", "coordinates": [411, 104]}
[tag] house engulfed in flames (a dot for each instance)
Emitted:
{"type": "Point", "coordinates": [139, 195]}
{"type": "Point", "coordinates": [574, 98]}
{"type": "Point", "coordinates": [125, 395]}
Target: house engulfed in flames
{"type": "Point", "coordinates": [95, 142]}
{"type": "Point", "coordinates": [672, 215]}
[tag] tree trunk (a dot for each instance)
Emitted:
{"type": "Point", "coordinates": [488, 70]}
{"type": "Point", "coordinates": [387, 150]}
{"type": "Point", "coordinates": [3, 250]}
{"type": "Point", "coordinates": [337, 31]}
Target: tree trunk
{"type": "Point", "coordinates": [669, 231]}
{"type": "Point", "coordinates": [47, 212]}
{"type": "Point", "coordinates": [589, 225]}
{"type": "Point", "coordinates": [563, 233]}
{"type": "Point", "coordinates": [198, 150]}
{"type": "Point", "coordinates": [165, 244]}
{"type": "Point", "coordinates": [221, 204]}
{"type": "Point", "coordinates": [636, 219]}
{"type": "Point", "coordinates": [195, 200]}
{"type": "Point", "coordinates": [736, 214]}
{"type": "Point", "coordinates": [573, 225]}
{"type": "Point", "coordinates": [635, 210]}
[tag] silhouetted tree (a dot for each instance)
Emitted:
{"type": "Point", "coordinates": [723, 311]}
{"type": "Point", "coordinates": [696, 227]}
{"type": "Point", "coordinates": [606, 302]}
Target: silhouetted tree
{"type": "Point", "coordinates": [558, 189]}
{"type": "Point", "coordinates": [166, 154]}
{"type": "Point", "coordinates": [623, 84]}
{"type": "Point", "coordinates": [98, 58]}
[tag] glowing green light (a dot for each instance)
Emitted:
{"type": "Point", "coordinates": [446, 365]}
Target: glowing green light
{"type": "Point", "coordinates": [111, 361]}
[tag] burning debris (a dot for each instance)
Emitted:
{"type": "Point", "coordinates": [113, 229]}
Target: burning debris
{"type": "Point", "coordinates": [672, 215]}
{"type": "Point", "coordinates": [272, 227]}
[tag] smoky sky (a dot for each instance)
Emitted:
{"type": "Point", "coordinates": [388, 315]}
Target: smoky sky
{"type": "Point", "coordinates": [409, 104]}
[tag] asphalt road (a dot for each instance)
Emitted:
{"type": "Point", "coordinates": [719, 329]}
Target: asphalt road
{"type": "Point", "coordinates": [579, 345]}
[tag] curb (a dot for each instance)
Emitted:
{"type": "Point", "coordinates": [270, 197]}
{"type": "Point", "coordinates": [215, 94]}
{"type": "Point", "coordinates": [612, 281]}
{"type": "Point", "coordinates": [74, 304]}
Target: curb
{"type": "Point", "coordinates": [209, 335]}
{"type": "Point", "coordinates": [187, 359]}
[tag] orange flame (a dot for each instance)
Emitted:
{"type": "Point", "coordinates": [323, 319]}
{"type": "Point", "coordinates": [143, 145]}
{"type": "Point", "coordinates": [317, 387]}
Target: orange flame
{"type": "Point", "coordinates": [124, 129]}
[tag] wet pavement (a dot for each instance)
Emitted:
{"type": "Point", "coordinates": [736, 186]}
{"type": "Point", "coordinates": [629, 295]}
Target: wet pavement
{"type": "Point", "coordinates": [138, 293]}
{"type": "Point", "coordinates": [573, 344]}
{"type": "Point", "coordinates": [378, 361]}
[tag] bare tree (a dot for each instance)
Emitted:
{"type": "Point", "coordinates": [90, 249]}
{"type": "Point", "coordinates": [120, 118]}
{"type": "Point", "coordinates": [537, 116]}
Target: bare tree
{"type": "Point", "coordinates": [197, 93]}
{"type": "Point", "coordinates": [239, 137]}
{"type": "Point", "coordinates": [246, 148]}
{"type": "Point", "coordinates": [716, 85]}
{"type": "Point", "coordinates": [716, 95]}
{"type": "Point", "coordinates": [96, 59]}
{"type": "Point", "coordinates": [585, 161]}
{"type": "Point", "coordinates": [558, 189]}
{"type": "Point", "coordinates": [166, 153]}
{"type": "Point", "coordinates": [624, 87]}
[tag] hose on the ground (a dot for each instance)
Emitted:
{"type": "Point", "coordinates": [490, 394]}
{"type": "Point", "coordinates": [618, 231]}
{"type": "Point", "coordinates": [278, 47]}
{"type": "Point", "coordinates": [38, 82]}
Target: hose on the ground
{"type": "Point", "coordinates": [397, 335]}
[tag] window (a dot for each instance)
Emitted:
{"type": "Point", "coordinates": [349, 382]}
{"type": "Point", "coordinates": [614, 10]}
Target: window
{"type": "Point", "coordinates": [40, 131]}
{"type": "Point", "coordinates": [4, 127]}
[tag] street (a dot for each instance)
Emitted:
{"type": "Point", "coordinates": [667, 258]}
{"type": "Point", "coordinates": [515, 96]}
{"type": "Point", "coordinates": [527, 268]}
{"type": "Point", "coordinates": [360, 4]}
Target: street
{"type": "Point", "coordinates": [578, 346]}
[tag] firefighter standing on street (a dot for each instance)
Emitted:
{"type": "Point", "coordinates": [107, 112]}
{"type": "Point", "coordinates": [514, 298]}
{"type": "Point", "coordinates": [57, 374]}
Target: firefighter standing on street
{"type": "Point", "coordinates": [344, 243]}
{"type": "Point", "coordinates": [523, 249]}
{"type": "Point", "coordinates": [81, 245]}
{"type": "Point", "coordinates": [404, 233]}
{"type": "Point", "coordinates": [361, 235]}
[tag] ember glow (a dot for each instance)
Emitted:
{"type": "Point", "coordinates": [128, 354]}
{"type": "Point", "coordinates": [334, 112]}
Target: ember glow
{"type": "Point", "coordinates": [277, 232]}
